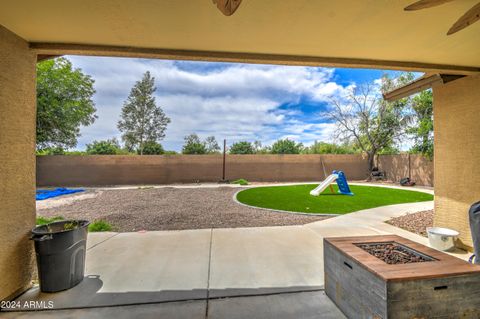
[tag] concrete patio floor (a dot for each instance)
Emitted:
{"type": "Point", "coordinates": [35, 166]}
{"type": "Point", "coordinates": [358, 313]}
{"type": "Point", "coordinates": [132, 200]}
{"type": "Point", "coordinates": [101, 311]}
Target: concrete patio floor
{"type": "Point", "coordinates": [268, 272]}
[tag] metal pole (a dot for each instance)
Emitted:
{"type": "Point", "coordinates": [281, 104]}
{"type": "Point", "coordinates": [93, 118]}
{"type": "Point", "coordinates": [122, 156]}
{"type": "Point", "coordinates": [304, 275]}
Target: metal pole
{"type": "Point", "coordinates": [224, 157]}
{"type": "Point", "coordinates": [409, 167]}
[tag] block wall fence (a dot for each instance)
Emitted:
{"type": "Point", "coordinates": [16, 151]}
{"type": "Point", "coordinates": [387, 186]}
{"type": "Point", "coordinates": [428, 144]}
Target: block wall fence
{"type": "Point", "coordinates": [101, 170]}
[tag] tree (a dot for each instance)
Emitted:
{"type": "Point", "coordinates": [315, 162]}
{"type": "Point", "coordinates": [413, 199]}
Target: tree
{"type": "Point", "coordinates": [51, 151]}
{"type": "Point", "coordinates": [193, 145]}
{"type": "Point", "coordinates": [260, 149]}
{"type": "Point", "coordinates": [64, 103]}
{"type": "Point", "coordinates": [364, 118]}
{"type": "Point", "coordinates": [242, 148]}
{"type": "Point", "coordinates": [106, 147]}
{"type": "Point", "coordinates": [329, 148]}
{"type": "Point", "coordinates": [286, 146]}
{"type": "Point", "coordinates": [142, 120]}
{"type": "Point", "coordinates": [153, 148]}
{"type": "Point", "coordinates": [257, 146]}
{"type": "Point", "coordinates": [212, 145]}
{"type": "Point", "coordinates": [422, 129]}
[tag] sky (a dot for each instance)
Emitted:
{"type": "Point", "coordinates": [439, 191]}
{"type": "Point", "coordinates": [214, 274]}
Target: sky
{"type": "Point", "coordinates": [239, 102]}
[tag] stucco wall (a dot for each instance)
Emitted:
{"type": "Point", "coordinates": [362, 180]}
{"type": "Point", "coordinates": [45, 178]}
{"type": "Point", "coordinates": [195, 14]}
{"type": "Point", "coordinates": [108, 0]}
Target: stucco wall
{"type": "Point", "coordinates": [457, 153]}
{"type": "Point", "coordinates": [17, 162]}
{"type": "Point", "coordinates": [420, 169]}
{"type": "Point", "coordinates": [118, 170]}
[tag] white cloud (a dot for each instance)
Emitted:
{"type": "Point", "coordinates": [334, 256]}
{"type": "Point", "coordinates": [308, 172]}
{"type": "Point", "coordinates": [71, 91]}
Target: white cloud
{"type": "Point", "coordinates": [233, 101]}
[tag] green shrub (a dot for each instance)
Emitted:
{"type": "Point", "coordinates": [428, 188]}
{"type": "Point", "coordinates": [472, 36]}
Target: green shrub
{"type": "Point", "coordinates": [152, 148]}
{"type": "Point", "coordinates": [242, 148]}
{"type": "Point", "coordinates": [51, 151]}
{"type": "Point", "coordinates": [328, 148]}
{"type": "Point", "coordinates": [77, 153]}
{"type": "Point", "coordinates": [240, 181]}
{"type": "Point", "coordinates": [99, 225]}
{"type": "Point", "coordinates": [107, 147]}
{"type": "Point", "coordinates": [193, 145]}
{"type": "Point", "coordinates": [47, 220]}
{"type": "Point", "coordinates": [286, 146]}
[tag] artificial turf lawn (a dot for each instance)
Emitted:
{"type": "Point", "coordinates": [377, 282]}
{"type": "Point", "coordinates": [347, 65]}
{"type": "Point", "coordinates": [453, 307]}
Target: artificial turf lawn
{"type": "Point", "coordinates": [297, 198]}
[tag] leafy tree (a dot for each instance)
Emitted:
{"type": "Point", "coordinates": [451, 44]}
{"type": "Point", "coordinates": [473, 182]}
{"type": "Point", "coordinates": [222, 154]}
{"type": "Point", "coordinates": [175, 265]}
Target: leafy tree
{"type": "Point", "coordinates": [329, 148]}
{"type": "Point", "coordinates": [106, 147]}
{"type": "Point", "coordinates": [286, 146]}
{"type": "Point", "coordinates": [260, 149]}
{"type": "Point", "coordinates": [152, 148]}
{"type": "Point", "coordinates": [389, 150]}
{"type": "Point", "coordinates": [52, 151]}
{"type": "Point", "coordinates": [142, 120]}
{"type": "Point", "coordinates": [257, 146]}
{"type": "Point", "coordinates": [422, 129]}
{"type": "Point", "coordinates": [76, 153]}
{"type": "Point", "coordinates": [64, 103]}
{"type": "Point", "coordinates": [243, 147]}
{"type": "Point", "coordinates": [212, 145]}
{"type": "Point", "coordinates": [193, 145]}
{"type": "Point", "coordinates": [371, 123]}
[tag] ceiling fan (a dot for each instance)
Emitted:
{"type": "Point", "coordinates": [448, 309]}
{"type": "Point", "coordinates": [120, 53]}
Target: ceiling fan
{"type": "Point", "coordinates": [227, 7]}
{"type": "Point", "coordinates": [470, 17]}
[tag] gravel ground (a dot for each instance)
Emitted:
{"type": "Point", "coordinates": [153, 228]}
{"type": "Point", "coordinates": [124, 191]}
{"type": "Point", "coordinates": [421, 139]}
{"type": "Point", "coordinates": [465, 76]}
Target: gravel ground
{"type": "Point", "coordinates": [170, 209]}
{"type": "Point", "coordinates": [416, 222]}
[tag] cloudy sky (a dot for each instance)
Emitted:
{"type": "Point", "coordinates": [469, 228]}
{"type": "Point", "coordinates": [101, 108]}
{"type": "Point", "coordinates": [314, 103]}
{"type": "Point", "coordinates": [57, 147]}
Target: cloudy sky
{"type": "Point", "coordinates": [227, 100]}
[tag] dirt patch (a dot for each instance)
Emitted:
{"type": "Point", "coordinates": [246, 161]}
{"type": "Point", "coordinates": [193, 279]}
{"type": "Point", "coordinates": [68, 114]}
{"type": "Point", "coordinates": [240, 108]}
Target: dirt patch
{"type": "Point", "coordinates": [65, 199]}
{"type": "Point", "coordinates": [172, 209]}
{"type": "Point", "coordinates": [416, 222]}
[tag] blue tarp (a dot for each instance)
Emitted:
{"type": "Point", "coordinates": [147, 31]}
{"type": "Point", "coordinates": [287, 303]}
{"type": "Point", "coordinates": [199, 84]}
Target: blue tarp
{"type": "Point", "coordinates": [42, 194]}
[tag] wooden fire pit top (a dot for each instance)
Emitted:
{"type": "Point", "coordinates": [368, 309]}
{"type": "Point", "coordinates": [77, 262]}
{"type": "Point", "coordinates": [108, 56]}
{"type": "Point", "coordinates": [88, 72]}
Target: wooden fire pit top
{"type": "Point", "coordinates": [442, 265]}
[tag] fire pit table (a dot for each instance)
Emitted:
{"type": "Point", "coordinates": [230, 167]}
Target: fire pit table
{"type": "Point", "coordinates": [393, 277]}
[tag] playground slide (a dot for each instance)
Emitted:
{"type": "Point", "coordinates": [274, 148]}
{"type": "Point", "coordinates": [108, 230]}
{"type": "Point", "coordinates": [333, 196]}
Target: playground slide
{"type": "Point", "coordinates": [320, 188]}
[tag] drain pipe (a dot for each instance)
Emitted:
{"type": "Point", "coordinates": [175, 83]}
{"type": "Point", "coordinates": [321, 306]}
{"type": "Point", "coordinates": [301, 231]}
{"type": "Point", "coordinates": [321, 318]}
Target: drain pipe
{"type": "Point", "coordinates": [474, 216]}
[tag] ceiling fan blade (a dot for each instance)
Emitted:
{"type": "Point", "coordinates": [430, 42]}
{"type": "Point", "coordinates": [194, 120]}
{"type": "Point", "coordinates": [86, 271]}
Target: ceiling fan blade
{"type": "Point", "coordinates": [470, 17]}
{"type": "Point", "coordinates": [423, 4]}
{"type": "Point", "coordinates": [227, 7]}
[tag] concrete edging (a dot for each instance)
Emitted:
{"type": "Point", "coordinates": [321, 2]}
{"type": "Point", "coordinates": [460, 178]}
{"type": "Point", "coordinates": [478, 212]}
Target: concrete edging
{"type": "Point", "coordinates": [234, 197]}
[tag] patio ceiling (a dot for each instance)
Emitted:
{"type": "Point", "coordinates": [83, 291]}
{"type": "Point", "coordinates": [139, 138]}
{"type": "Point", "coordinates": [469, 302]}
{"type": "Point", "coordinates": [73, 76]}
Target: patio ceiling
{"type": "Point", "coordinates": [368, 33]}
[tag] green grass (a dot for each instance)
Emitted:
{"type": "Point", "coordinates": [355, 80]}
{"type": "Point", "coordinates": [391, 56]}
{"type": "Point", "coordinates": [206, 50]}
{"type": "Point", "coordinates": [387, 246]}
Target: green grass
{"type": "Point", "coordinates": [297, 198]}
{"type": "Point", "coordinates": [46, 220]}
{"type": "Point", "coordinates": [99, 225]}
{"type": "Point", "coordinates": [240, 181]}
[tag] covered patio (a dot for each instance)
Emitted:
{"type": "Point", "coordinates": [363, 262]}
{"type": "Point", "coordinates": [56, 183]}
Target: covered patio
{"type": "Point", "coordinates": [354, 34]}
{"type": "Point", "coordinates": [272, 272]}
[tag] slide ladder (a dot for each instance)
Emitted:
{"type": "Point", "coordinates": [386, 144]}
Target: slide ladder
{"type": "Point", "coordinates": [342, 183]}
{"type": "Point", "coordinates": [341, 180]}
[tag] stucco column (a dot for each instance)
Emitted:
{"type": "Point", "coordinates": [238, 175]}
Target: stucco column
{"type": "Point", "coordinates": [457, 153]}
{"type": "Point", "coordinates": [17, 162]}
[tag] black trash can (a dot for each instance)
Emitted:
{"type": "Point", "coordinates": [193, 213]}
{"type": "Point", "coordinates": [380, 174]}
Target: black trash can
{"type": "Point", "coordinates": [474, 216]}
{"type": "Point", "coordinates": [60, 248]}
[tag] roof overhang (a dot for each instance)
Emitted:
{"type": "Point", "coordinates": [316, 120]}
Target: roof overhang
{"type": "Point", "coordinates": [425, 82]}
{"type": "Point", "coordinates": [344, 33]}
